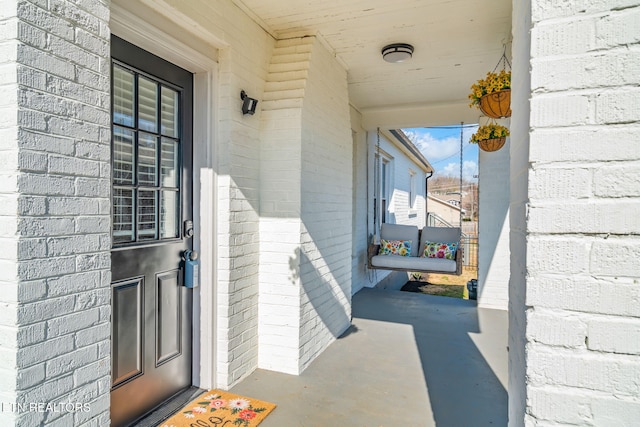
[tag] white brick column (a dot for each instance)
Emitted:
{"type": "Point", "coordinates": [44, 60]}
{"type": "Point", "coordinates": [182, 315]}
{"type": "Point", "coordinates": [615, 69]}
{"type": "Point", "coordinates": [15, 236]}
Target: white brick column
{"type": "Point", "coordinates": [305, 206]}
{"type": "Point", "coordinates": [582, 274]}
{"type": "Point", "coordinates": [54, 213]}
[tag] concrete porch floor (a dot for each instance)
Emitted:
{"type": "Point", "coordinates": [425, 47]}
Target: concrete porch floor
{"type": "Point", "coordinates": [407, 360]}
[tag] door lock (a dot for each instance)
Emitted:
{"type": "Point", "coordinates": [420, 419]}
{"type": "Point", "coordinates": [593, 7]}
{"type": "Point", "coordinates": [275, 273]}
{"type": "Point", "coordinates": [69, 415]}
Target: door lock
{"type": "Point", "coordinates": [188, 229]}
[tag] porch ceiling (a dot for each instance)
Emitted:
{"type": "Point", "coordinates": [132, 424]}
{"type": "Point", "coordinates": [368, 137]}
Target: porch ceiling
{"type": "Point", "coordinates": [456, 42]}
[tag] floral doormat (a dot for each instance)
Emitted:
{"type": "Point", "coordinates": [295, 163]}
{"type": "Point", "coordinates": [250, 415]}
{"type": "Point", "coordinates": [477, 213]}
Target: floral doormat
{"type": "Point", "coordinates": [218, 408]}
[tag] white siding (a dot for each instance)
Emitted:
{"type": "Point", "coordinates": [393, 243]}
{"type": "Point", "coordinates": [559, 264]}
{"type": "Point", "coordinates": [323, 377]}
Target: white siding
{"type": "Point", "coordinates": [399, 210]}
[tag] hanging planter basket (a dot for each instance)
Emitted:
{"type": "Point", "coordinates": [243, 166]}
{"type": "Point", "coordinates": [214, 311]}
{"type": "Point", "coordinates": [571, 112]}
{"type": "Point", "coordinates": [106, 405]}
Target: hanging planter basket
{"type": "Point", "coordinates": [496, 105]}
{"type": "Point", "coordinates": [493, 144]}
{"type": "Point", "coordinates": [492, 95]}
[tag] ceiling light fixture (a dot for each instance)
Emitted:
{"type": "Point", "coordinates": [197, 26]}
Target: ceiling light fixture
{"type": "Point", "coordinates": [397, 52]}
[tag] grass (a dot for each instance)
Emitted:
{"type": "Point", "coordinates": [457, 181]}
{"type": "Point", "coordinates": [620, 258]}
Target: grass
{"type": "Point", "coordinates": [441, 284]}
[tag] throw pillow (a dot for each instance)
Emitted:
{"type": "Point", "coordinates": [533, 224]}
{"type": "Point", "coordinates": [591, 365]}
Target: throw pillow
{"type": "Point", "coordinates": [440, 250]}
{"type": "Point", "coordinates": [395, 247]}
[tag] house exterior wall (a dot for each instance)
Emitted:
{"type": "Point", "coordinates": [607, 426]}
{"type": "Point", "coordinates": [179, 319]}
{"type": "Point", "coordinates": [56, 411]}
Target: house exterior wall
{"type": "Point", "coordinates": [243, 51]}
{"type": "Point", "coordinates": [55, 214]}
{"type": "Point", "coordinates": [493, 242]}
{"type": "Point", "coordinates": [306, 206]}
{"type": "Point", "coordinates": [582, 333]}
{"type": "Point", "coordinates": [444, 210]}
{"type": "Point", "coordinates": [325, 264]}
{"type": "Point", "coordinates": [399, 211]}
{"type": "Point", "coordinates": [360, 217]}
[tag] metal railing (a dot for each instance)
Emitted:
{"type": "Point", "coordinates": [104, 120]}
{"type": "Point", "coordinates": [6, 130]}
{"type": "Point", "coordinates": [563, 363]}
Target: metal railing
{"type": "Point", "coordinates": [470, 251]}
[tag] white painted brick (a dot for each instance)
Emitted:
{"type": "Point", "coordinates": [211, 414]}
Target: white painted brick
{"type": "Point", "coordinates": [91, 372]}
{"type": "Point", "coordinates": [72, 322]}
{"type": "Point", "coordinates": [556, 329]}
{"type": "Point", "coordinates": [615, 411]}
{"type": "Point", "coordinates": [48, 143]}
{"type": "Point", "coordinates": [59, 206]}
{"type": "Point", "coordinates": [565, 110]}
{"type": "Point", "coordinates": [42, 268]}
{"type": "Point", "coordinates": [614, 335]}
{"type": "Point", "coordinates": [32, 206]}
{"type": "Point", "coordinates": [35, 15]}
{"type": "Point", "coordinates": [70, 361]}
{"type": "Point", "coordinates": [595, 143]}
{"type": "Point", "coordinates": [93, 335]}
{"type": "Point", "coordinates": [70, 245]}
{"type": "Point", "coordinates": [585, 217]}
{"type": "Point", "coordinates": [617, 181]}
{"type": "Point", "coordinates": [43, 351]}
{"type": "Point", "coordinates": [43, 310]}
{"type": "Point", "coordinates": [621, 106]}
{"type": "Point", "coordinates": [32, 248]}
{"type": "Point", "coordinates": [31, 377]}
{"type": "Point", "coordinates": [35, 58]}
{"type": "Point", "coordinates": [562, 38]}
{"type": "Point", "coordinates": [599, 372]}
{"type": "Point", "coordinates": [559, 256]}
{"type": "Point", "coordinates": [31, 334]}
{"type": "Point", "coordinates": [70, 284]}
{"type": "Point", "coordinates": [30, 161]}
{"type": "Point", "coordinates": [613, 257]}
{"type": "Point", "coordinates": [549, 9]}
{"type": "Point", "coordinates": [586, 294]}
{"type": "Point", "coordinates": [620, 28]}
{"type": "Point", "coordinates": [35, 184]}
{"type": "Point", "coordinates": [604, 70]}
{"type": "Point", "coordinates": [560, 183]}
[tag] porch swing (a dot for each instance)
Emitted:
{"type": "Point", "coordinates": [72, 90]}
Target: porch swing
{"type": "Point", "coordinates": [439, 249]}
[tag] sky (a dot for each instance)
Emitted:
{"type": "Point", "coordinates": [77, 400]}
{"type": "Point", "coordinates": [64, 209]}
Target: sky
{"type": "Point", "coordinates": [441, 146]}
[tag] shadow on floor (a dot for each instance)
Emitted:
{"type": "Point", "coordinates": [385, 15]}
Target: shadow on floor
{"type": "Point", "coordinates": [416, 360]}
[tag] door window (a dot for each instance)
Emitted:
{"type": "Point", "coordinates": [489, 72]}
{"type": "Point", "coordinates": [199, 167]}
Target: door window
{"type": "Point", "coordinates": [146, 158]}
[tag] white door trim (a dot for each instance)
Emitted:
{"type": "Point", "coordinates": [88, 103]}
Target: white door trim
{"type": "Point", "coordinates": [134, 29]}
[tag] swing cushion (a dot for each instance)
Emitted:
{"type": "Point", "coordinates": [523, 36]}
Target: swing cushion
{"type": "Point", "coordinates": [402, 232]}
{"type": "Point", "coordinates": [417, 261]}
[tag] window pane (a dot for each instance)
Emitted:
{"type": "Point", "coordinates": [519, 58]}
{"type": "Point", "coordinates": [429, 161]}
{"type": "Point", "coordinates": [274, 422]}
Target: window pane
{"type": "Point", "coordinates": [147, 104]}
{"type": "Point", "coordinates": [169, 163]}
{"type": "Point", "coordinates": [147, 208]}
{"type": "Point", "coordinates": [169, 215]}
{"type": "Point", "coordinates": [147, 159]}
{"type": "Point", "coordinates": [123, 93]}
{"type": "Point", "coordinates": [122, 215]}
{"type": "Point", "coordinates": [169, 112]}
{"type": "Point", "coordinates": [122, 156]}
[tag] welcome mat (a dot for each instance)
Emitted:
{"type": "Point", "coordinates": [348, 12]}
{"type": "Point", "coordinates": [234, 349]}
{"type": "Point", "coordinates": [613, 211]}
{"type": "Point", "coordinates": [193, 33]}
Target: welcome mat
{"type": "Point", "coordinates": [218, 408]}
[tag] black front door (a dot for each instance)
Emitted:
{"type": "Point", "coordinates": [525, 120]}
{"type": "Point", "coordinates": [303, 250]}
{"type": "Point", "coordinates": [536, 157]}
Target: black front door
{"type": "Point", "coordinates": [151, 203]}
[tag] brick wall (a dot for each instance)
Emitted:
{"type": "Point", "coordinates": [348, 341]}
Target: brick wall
{"type": "Point", "coordinates": [305, 206]}
{"type": "Point", "coordinates": [583, 330]}
{"type": "Point", "coordinates": [326, 206]}
{"type": "Point", "coordinates": [55, 235]}
{"type": "Point", "coordinates": [242, 66]}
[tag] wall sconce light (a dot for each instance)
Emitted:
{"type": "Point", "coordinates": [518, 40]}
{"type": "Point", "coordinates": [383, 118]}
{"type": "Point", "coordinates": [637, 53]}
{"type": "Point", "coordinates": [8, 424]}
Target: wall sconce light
{"type": "Point", "coordinates": [248, 104]}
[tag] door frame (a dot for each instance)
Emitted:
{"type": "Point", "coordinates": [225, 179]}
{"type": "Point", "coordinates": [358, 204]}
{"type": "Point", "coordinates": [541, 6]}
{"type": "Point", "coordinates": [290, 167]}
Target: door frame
{"type": "Point", "coordinates": [143, 34]}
